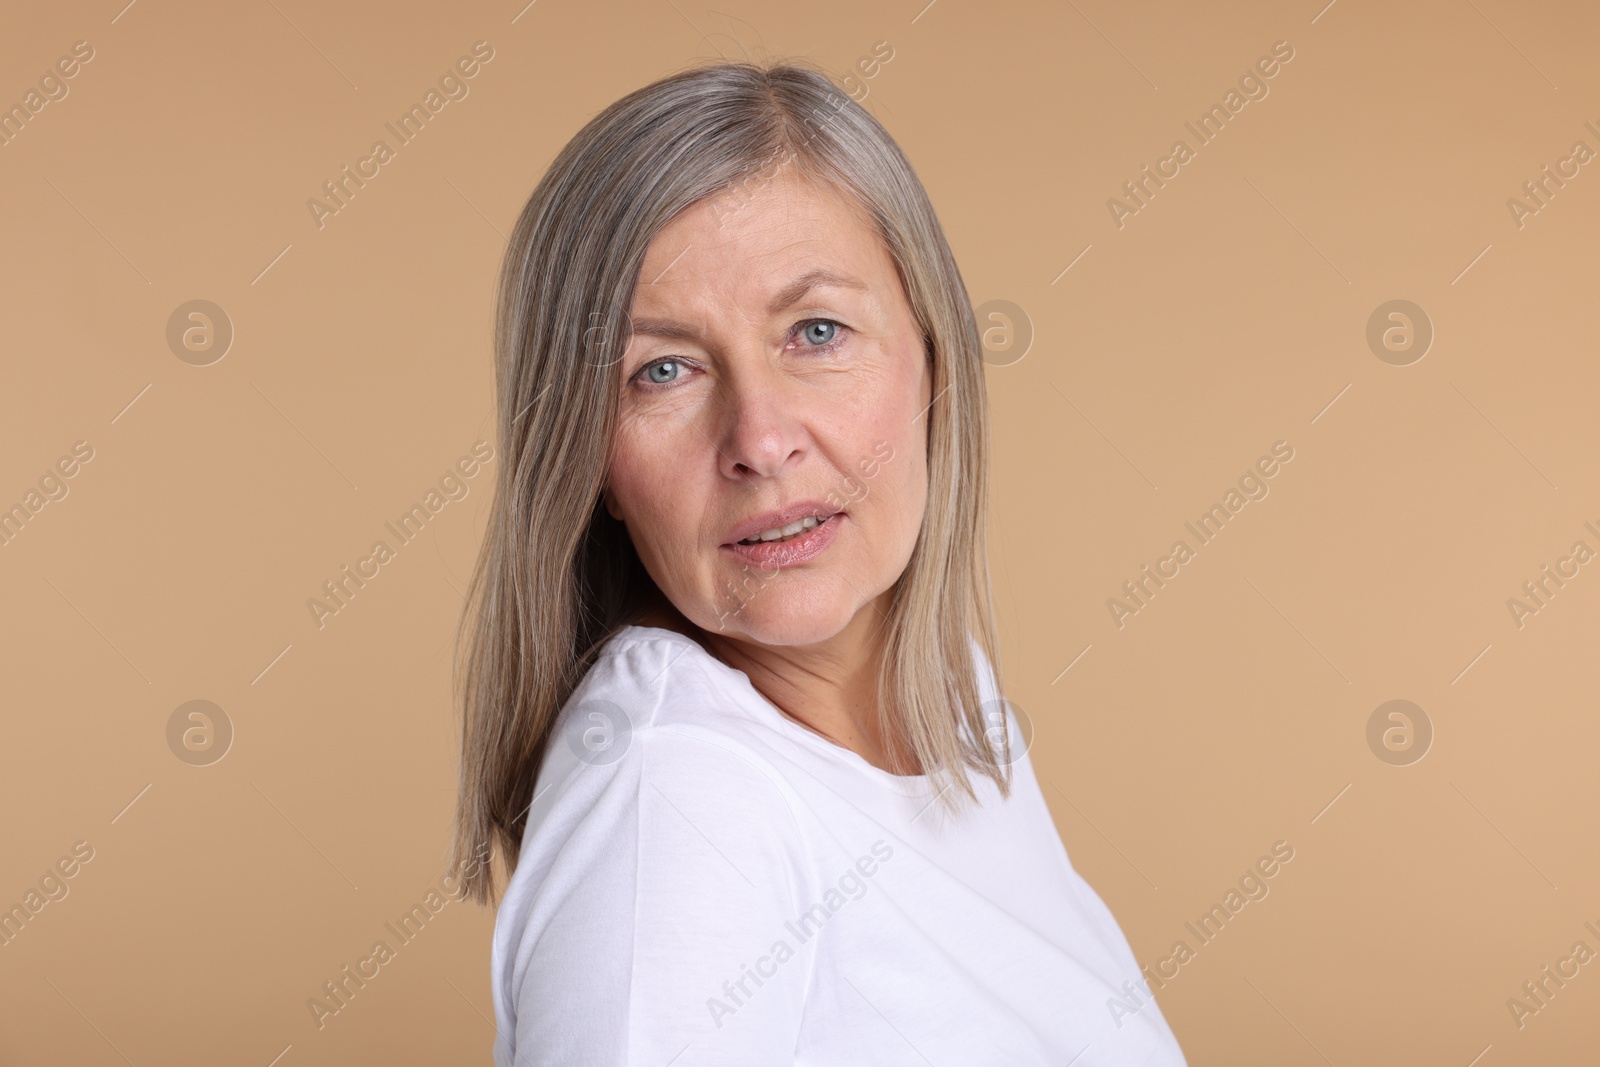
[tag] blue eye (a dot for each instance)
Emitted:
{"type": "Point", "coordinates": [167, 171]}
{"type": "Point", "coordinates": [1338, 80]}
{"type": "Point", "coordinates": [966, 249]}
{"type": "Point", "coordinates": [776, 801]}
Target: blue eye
{"type": "Point", "coordinates": [820, 332]}
{"type": "Point", "coordinates": [662, 373]}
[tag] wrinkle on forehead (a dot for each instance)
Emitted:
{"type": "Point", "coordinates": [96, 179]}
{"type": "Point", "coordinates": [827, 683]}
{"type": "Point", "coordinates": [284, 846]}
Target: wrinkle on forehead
{"type": "Point", "coordinates": [724, 255]}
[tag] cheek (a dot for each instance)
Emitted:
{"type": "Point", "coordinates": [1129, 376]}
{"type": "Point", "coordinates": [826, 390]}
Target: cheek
{"type": "Point", "coordinates": [904, 481]}
{"type": "Point", "coordinates": [886, 458]}
{"type": "Point", "coordinates": [661, 460]}
{"type": "Point", "coordinates": [647, 471]}
{"type": "Point", "coordinates": [888, 477]}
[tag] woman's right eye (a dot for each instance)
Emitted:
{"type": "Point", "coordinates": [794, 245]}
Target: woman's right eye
{"type": "Point", "coordinates": [662, 373]}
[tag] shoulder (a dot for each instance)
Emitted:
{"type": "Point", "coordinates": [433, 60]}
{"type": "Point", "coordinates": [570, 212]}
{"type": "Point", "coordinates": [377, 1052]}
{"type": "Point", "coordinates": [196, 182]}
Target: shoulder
{"type": "Point", "coordinates": [657, 737]}
{"type": "Point", "coordinates": [661, 848]}
{"type": "Point", "coordinates": [652, 684]}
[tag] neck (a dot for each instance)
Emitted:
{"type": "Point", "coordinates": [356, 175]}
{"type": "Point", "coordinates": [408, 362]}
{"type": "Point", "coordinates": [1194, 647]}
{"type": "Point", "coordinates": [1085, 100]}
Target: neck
{"type": "Point", "coordinates": [830, 687]}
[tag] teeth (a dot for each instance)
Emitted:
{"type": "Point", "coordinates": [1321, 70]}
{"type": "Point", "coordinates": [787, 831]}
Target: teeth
{"type": "Point", "coordinates": [794, 529]}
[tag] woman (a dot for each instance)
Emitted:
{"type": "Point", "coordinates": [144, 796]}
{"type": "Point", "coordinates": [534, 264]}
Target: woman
{"type": "Point", "coordinates": [730, 709]}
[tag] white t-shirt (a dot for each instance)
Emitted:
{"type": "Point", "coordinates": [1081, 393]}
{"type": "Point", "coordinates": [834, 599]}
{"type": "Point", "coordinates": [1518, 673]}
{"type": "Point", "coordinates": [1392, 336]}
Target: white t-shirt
{"type": "Point", "coordinates": [705, 881]}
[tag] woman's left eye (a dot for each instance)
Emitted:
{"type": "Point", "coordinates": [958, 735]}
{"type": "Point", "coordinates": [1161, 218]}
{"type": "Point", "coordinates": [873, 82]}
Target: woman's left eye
{"type": "Point", "coordinates": [820, 331]}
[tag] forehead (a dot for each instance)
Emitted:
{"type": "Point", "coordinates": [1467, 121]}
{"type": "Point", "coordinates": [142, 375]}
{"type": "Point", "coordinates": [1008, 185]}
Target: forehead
{"type": "Point", "coordinates": [752, 239]}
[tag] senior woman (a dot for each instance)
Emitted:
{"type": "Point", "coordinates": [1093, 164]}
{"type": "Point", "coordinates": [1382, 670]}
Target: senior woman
{"type": "Point", "coordinates": [731, 713]}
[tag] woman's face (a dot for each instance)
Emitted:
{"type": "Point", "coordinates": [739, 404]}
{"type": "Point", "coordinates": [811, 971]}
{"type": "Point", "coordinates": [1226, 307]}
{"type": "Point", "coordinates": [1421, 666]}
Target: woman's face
{"type": "Point", "coordinates": [775, 377]}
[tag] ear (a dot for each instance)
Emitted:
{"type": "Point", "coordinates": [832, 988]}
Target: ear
{"type": "Point", "coordinates": [609, 499]}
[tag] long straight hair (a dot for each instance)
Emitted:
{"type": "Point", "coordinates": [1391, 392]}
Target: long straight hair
{"type": "Point", "coordinates": [556, 575]}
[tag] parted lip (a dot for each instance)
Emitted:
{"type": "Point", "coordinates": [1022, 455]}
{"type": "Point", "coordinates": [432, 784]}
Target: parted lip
{"type": "Point", "coordinates": [772, 520]}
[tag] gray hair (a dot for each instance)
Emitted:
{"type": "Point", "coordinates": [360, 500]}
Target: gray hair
{"type": "Point", "coordinates": [556, 575]}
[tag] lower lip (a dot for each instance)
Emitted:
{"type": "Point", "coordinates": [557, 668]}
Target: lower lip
{"type": "Point", "coordinates": [796, 550]}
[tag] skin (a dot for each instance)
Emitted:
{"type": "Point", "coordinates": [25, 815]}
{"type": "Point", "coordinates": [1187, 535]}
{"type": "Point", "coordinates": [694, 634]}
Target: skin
{"type": "Point", "coordinates": [752, 409]}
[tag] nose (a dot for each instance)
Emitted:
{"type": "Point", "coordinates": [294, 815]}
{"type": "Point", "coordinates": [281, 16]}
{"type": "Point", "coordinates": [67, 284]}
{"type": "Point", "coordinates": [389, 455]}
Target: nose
{"type": "Point", "coordinates": [763, 426]}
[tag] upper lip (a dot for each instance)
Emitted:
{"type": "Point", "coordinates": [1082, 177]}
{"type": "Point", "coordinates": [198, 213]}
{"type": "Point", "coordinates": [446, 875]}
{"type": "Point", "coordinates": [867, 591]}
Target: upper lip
{"type": "Point", "coordinates": [773, 520]}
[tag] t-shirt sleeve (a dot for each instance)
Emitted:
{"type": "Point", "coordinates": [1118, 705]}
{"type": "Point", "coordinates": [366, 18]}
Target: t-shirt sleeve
{"type": "Point", "coordinates": [660, 932]}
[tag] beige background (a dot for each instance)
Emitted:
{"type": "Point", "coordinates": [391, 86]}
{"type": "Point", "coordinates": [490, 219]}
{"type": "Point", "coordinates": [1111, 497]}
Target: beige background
{"type": "Point", "coordinates": [1228, 314]}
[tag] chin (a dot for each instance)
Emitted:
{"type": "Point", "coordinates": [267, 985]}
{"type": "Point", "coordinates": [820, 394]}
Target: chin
{"type": "Point", "coordinates": [787, 618]}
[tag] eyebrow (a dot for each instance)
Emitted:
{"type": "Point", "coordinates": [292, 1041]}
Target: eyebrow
{"type": "Point", "coordinates": [791, 294]}
{"type": "Point", "coordinates": [784, 298]}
